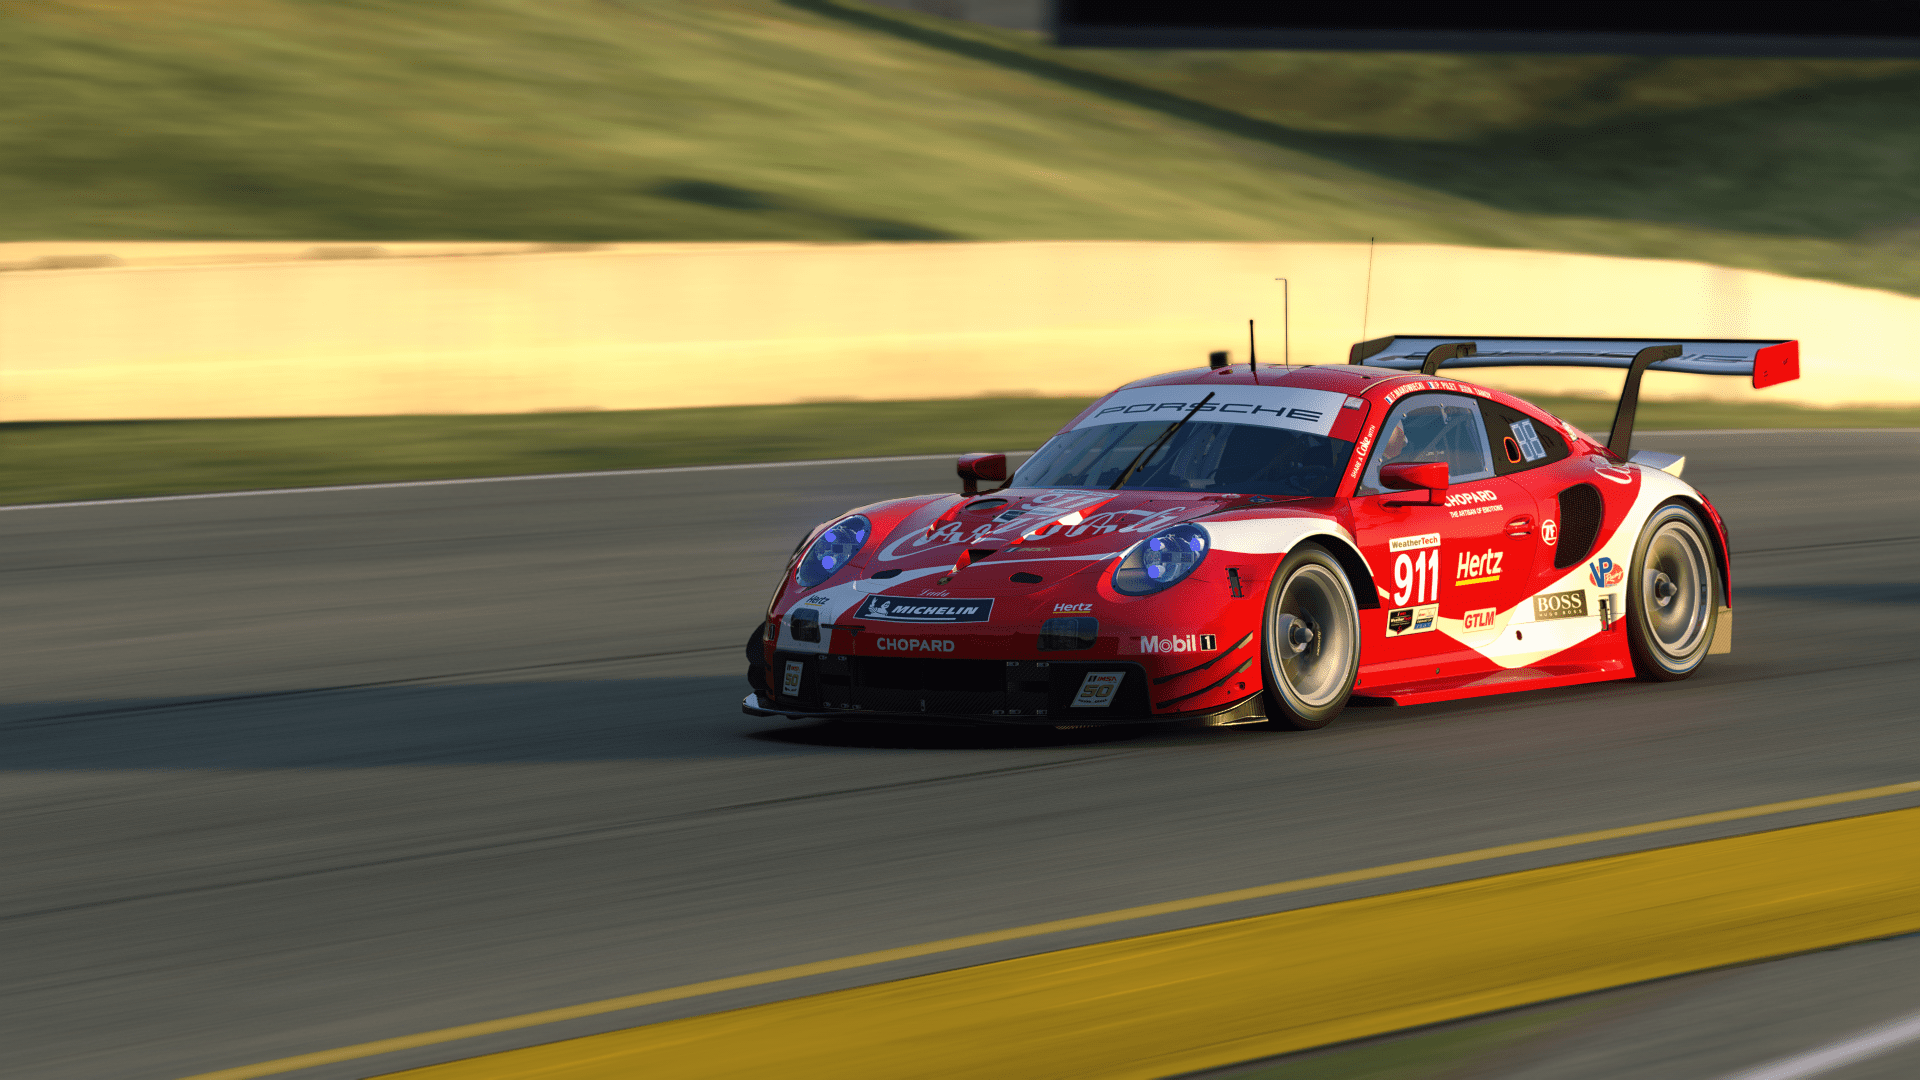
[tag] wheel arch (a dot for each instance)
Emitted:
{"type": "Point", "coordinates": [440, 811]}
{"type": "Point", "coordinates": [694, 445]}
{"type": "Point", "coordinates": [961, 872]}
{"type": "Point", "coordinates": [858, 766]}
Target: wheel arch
{"type": "Point", "coordinates": [1717, 535]}
{"type": "Point", "coordinates": [1359, 575]}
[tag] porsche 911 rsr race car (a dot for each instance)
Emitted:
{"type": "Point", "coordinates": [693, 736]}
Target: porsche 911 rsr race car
{"type": "Point", "coordinates": [1235, 544]}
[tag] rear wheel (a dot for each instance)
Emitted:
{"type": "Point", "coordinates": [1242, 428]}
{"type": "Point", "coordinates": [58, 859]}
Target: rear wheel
{"type": "Point", "coordinates": [1673, 586]}
{"type": "Point", "coordinates": [1310, 640]}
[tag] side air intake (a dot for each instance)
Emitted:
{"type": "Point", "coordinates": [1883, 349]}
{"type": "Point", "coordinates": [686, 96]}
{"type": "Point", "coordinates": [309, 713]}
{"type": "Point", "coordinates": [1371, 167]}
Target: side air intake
{"type": "Point", "coordinates": [1580, 514]}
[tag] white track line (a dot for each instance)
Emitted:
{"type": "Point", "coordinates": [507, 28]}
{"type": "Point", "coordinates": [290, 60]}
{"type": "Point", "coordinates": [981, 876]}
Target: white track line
{"type": "Point", "coordinates": [1869, 1043]}
{"type": "Point", "coordinates": [493, 480]}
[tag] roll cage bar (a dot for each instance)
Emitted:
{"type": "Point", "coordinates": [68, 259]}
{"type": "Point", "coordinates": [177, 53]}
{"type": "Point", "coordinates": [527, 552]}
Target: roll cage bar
{"type": "Point", "coordinates": [1767, 363]}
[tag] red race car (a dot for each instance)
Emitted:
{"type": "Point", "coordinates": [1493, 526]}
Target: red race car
{"type": "Point", "coordinates": [1232, 545]}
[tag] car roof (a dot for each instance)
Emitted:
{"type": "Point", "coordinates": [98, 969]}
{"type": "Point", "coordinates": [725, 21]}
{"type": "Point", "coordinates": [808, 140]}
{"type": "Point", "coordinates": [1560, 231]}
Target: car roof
{"type": "Point", "coordinates": [1356, 379]}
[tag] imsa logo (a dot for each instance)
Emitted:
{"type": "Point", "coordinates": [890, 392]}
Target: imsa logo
{"type": "Point", "coordinates": [1561, 605]}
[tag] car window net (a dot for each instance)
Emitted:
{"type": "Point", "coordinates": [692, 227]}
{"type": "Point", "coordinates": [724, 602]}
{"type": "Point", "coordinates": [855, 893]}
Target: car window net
{"type": "Point", "coordinates": [1240, 459]}
{"type": "Point", "coordinates": [1443, 431]}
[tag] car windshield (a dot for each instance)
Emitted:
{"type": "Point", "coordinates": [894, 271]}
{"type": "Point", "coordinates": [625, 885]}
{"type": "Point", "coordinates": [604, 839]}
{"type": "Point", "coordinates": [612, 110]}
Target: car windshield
{"type": "Point", "coordinates": [1237, 458]}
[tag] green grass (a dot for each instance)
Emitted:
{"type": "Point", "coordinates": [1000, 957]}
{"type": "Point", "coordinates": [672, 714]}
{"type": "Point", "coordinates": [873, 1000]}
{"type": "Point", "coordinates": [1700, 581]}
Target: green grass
{"type": "Point", "coordinates": [52, 462]}
{"type": "Point", "coordinates": [586, 120]}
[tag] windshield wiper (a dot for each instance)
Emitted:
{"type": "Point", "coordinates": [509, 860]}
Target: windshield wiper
{"type": "Point", "coordinates": [1146, 452]}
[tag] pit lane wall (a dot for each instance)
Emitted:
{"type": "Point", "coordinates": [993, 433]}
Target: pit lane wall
{"type": "Point", "coordinates": [150, 331]}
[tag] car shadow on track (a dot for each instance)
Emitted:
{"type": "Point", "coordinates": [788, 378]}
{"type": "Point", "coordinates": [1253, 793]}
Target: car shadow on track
{"type": "Point", "coordinates": [876, 735]}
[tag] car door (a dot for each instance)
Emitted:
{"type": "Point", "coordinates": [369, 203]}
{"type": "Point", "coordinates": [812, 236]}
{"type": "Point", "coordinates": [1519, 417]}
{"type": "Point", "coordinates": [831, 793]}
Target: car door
{"type": "Point", "coordinates": [1450, 575]}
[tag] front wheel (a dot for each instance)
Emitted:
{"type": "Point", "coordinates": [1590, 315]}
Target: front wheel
{"type": "Point", "coordinates": [1309, 641]}
{"type": "Point", "coordinates": [1673, 586]}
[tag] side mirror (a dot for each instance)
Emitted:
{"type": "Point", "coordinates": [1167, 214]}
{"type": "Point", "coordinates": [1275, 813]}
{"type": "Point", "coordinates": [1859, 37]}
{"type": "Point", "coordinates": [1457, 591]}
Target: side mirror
{"type": "Point", "coordinates": [974, 468]}
{"type": "Point", "coordinates": [1408, 476]}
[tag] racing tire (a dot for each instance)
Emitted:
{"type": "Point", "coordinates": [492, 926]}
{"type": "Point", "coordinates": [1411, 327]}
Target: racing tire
{"type": "Point", "coordinates": [1309, 641]}
{"type": "Point", "coordinates": [757, 664]}
{"type": "Point", "coordinates": [1673, 592]}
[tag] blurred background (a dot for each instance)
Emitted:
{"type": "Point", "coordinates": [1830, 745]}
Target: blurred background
{"type": "Point", "coordinates": [292, 771]}
{"type": "Point", "coordinates": [278, 208]}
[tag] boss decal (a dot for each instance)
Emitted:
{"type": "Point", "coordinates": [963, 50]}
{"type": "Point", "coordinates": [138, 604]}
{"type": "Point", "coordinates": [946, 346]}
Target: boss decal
{"type": "Point", "coordinates": [895, 609]}
{"type": "Point", "coordinates": [1478, 569]}
{"type": "Point", "coordinates": [1412, 620]}
{"type": "Point", "coordinates": [1571, 604]}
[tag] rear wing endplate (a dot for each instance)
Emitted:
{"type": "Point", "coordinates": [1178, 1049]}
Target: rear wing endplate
{"type": "Point", "coordinates": [1767, 363]}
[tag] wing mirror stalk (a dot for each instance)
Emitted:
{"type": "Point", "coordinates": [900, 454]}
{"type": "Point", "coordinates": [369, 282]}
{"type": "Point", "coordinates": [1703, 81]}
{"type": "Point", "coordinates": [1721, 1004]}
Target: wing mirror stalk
{"type": "Point", "coordinates": [1431, 475]}
{"type": "Point", "coordinates": [974, 468]}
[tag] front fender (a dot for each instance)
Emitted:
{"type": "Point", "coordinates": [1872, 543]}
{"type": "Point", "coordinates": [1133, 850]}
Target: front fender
{"type": "Point", "coordinates": [1279, 535]}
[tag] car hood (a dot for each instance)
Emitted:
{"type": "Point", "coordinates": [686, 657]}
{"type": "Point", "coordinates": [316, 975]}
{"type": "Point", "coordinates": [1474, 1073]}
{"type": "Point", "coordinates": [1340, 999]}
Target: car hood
{"type": "Point", "coordinates": [1038, 525]}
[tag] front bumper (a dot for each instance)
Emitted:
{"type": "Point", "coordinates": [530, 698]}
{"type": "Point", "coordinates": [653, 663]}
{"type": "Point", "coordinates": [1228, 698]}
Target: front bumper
{"type": "Point", "coordinates": [1024, 692]}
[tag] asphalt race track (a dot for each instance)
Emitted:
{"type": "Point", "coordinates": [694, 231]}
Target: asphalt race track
{"type": "Point", "coordinates": [290, 772]}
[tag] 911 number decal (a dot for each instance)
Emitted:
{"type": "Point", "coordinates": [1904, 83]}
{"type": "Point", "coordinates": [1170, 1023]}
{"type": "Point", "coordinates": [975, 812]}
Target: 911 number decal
{"type": "Point", "coordinates": [1416, 568]}
{"type": "Point", "coordinates": [1417, 577]}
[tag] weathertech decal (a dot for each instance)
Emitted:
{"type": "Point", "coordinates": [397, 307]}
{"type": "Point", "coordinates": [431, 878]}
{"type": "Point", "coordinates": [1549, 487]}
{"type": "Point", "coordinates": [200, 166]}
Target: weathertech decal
{"type": "Point", "coordinates": [1478, 569]}
{"type": "Point", "coordinates": [1413, 543]}
{"type": "Point", "coordinates": [1177, 643]}
{"type": "Point", "coordinates": [895, 609]}
{"type": "Point", "coordinates": [1560, 605]}
{"type": "Point", "coordinates": [1412, 620]}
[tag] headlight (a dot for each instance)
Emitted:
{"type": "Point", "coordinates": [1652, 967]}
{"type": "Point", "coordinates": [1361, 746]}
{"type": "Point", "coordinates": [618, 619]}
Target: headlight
{"type": "Point", "coordinates": [1163, 559]}
{"type": "Point", "coordinates": [833, 550]}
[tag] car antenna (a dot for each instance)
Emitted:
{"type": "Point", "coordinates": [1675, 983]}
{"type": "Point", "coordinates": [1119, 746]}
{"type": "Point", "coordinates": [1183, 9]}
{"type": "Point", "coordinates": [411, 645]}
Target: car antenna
{"type": "Point", "coordinates": [1253, 355]}
{"type": "Point", "coordinates": [1147, 452]}
{"type": "Point", "coordinates": [1366, 305]}
{"type": "Point", "coordinates": [1286, 323]}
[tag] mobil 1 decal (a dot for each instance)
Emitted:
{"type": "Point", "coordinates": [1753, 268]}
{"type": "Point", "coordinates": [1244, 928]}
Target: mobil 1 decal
{"type": "Point", "coordinates": [1416, 568]}
{"type": "Point", "coordinates": [1266, 406]}
{"type": "Point", "coordinates": [896, 609]}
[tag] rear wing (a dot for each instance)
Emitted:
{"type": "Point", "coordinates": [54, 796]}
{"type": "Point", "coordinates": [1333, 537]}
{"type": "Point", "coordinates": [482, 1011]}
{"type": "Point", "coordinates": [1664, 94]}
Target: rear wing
{"type": "Point", "coordinates": [1767, 363]}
